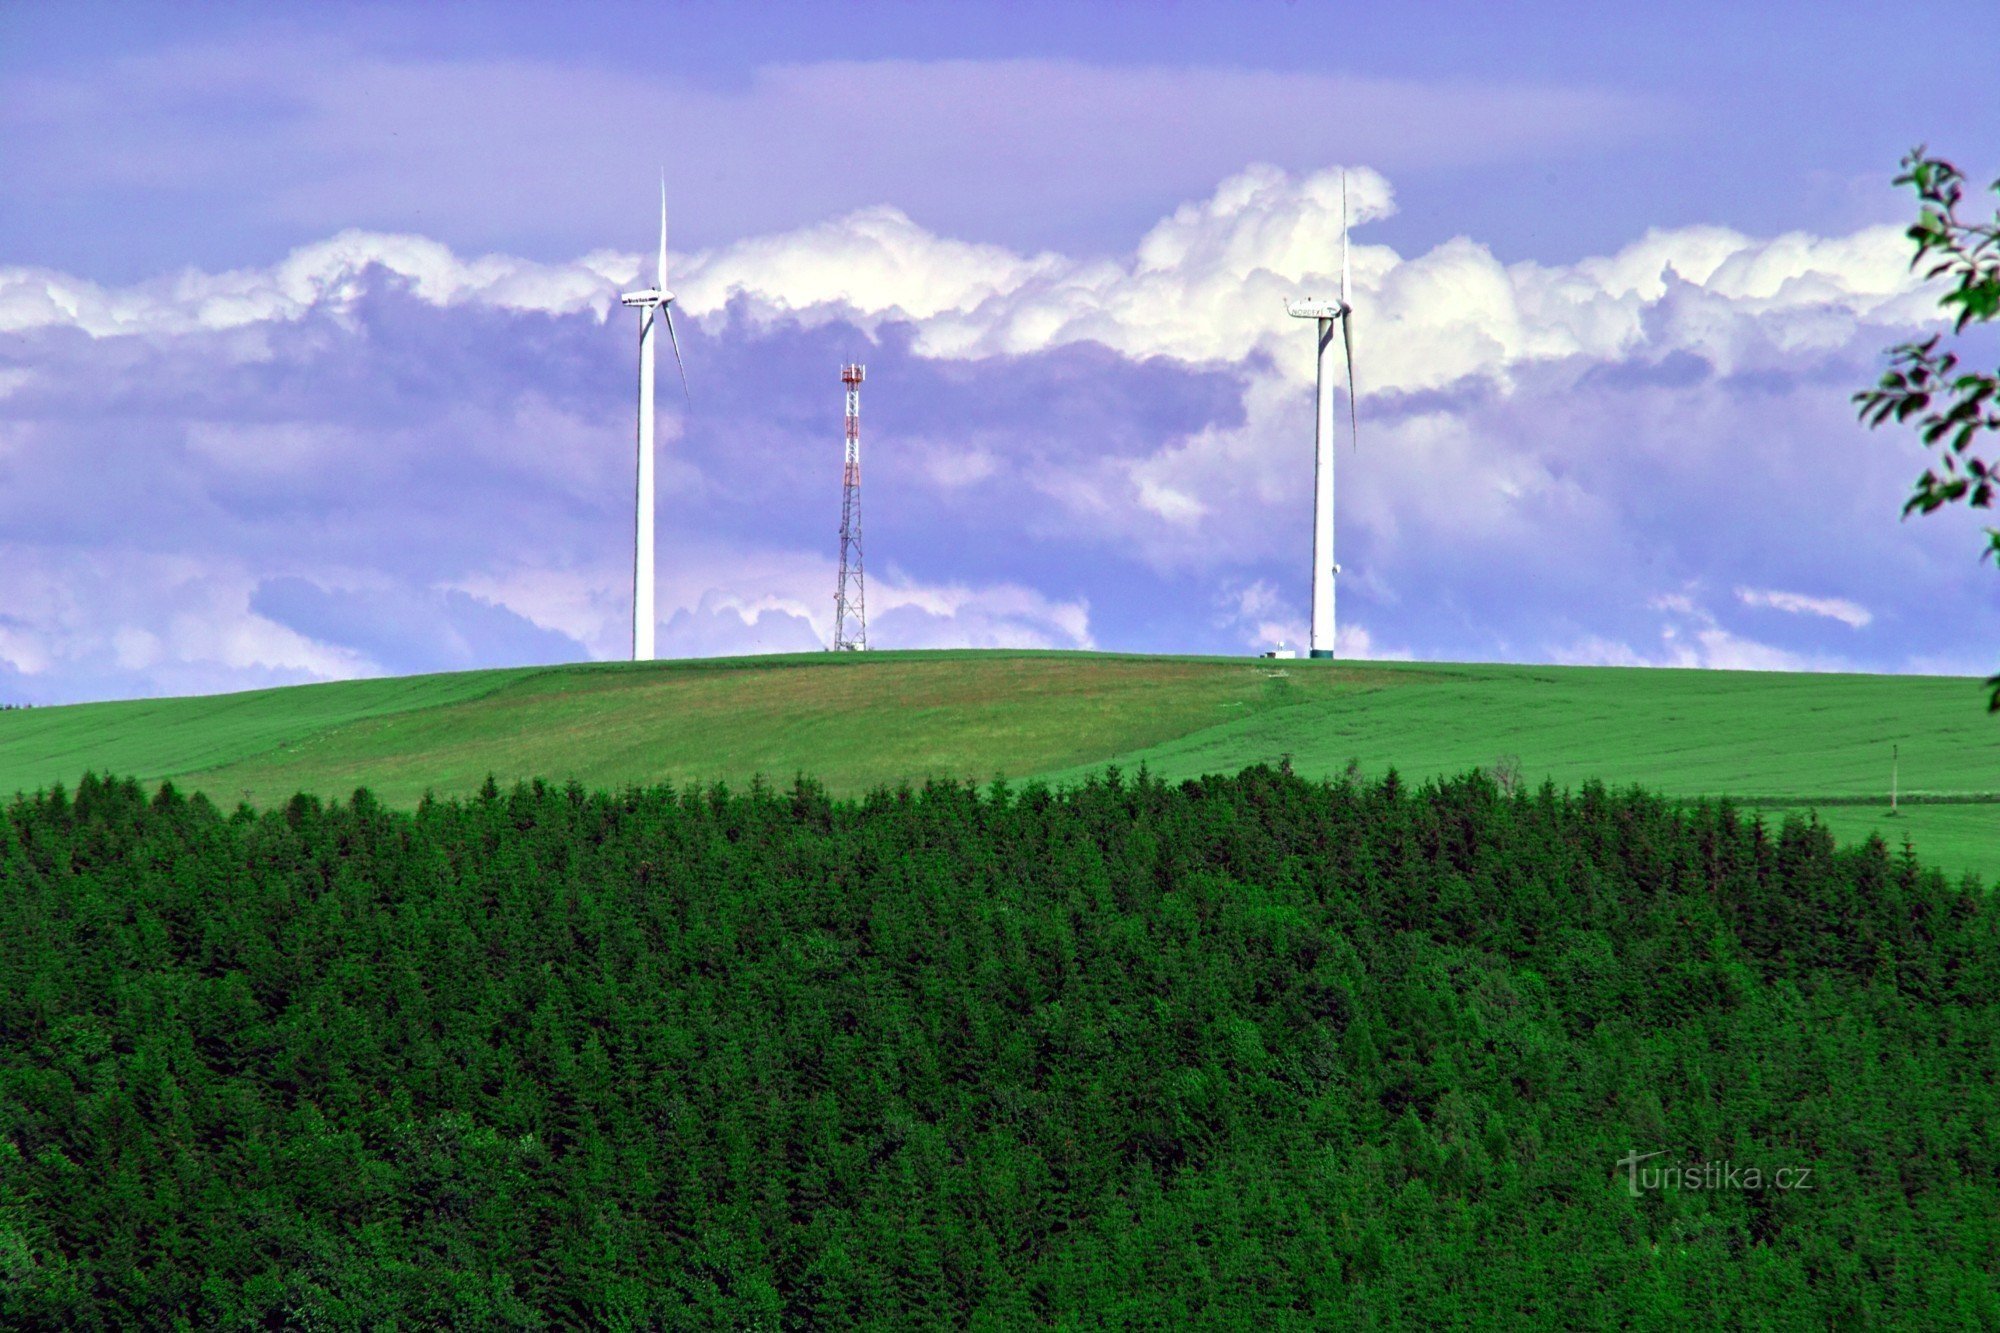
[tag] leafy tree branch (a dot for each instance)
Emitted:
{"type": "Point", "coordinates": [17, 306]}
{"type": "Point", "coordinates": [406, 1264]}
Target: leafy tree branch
{"type": "Point", "coordinates": [1955, 410]}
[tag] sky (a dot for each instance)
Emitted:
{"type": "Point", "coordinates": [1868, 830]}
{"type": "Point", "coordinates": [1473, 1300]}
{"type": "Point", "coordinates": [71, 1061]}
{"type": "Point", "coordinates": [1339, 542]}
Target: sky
{"type": "Point", "coordinates": [312, 364]}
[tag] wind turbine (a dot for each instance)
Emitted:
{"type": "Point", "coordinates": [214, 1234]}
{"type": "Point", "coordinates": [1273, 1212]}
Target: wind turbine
{"type": "Point", "coordinates": [1327, 313]}
{"type": "Point", "coordinates": [655, 306]}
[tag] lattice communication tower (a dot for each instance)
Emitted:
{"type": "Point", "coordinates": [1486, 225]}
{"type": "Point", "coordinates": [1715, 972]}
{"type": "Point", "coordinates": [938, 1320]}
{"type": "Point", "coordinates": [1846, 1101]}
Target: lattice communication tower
{"type": "Point", "coordinates": [850, 599]}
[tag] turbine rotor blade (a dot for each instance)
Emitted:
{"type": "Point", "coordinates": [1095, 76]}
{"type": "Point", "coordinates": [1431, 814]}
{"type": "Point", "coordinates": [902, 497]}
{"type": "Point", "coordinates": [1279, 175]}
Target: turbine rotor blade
{"type": "Point", "coordinates": [1343, 238]}
{"type": "Point", "coordinates": [663, 233]}
{"type": "Point", "coordinates": [667, 313]}
{"type": "Point", "coordinates": [1347, 346]}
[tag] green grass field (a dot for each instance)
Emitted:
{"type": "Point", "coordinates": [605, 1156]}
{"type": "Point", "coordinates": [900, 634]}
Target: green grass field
{"type": "Point", "coordinates": [1778, 741]}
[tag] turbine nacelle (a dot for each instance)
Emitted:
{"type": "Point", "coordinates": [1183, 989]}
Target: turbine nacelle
{"type": "Point", "coordinates": [639, 300]}
{"type": "Point", "coordinates": [1316, 307]}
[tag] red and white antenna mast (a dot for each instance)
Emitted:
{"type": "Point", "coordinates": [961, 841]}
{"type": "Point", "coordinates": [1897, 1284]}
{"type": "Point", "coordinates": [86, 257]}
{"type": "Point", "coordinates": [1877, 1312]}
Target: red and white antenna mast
{"type": "Point", "coordinates": [850, 601]}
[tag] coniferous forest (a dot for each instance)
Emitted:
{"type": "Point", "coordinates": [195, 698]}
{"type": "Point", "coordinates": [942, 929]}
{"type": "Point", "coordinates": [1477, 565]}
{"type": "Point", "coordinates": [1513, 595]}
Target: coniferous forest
{"type": "Point", "coordinates": [1247, 1051]}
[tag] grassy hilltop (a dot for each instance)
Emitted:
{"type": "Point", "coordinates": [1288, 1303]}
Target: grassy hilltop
{"type": "Point", "coordinates": [1781, 741]}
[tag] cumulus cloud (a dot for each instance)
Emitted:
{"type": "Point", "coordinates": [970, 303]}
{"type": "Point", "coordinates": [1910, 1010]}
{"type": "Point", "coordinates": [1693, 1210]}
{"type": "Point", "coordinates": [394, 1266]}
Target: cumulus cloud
{"type": "Point", "coordinates": [329, 275]}
{"type": "Point", "coordinates": [1200, 286]}
{"type": "Point", "coordinates": [383, 456]}
{"type": "Point", "coordinates": [875, 260]}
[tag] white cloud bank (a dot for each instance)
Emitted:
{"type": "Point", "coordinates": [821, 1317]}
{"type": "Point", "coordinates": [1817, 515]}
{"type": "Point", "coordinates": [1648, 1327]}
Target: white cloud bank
{"type": "Point", "coordinates": [1545, 448]}
{"type": "Point", "coordinates": [1205, 284]}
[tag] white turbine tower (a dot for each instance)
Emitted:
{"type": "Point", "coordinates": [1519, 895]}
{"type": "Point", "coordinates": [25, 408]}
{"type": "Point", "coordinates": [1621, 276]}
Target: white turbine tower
{"type": "Point", "coordinates": [1327, 313]}
{"type": "Point", "coordinates": [655, 306]}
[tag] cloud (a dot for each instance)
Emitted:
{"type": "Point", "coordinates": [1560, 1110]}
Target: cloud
{"type": "Point", "coordinates": [955, 616]}
{"type": "Point", "coordinates": [1689, 635]}
{"type": "Point", "coordinates": [403, 630]}
{"type": "Point", "coordinates": [1201, 286]}
{"type": "Point", "coordinates": [110, 623]}
{"type": "Point", "coordinates": [327, 276]}
{"type": "Point", "coordinates": [875, 260]}
{"type": "Point", "coordinates": [720, 625]}
{"type": "Point", "coordinates": [379, 455]}
{"type": "Point", "coordinates": [725, 599]}
{"type": "Point", "coordinates": [1833, 608]}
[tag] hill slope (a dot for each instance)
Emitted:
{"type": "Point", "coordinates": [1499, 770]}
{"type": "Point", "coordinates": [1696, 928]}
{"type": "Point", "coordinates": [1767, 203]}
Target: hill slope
{"type": "Point", "coordinates": [1785, 741]}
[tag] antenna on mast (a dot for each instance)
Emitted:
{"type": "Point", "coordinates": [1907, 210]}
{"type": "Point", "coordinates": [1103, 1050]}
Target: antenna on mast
{"type": "Point", "coordinates": [850, 608]}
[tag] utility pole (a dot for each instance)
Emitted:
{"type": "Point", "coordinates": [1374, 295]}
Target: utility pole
{"type": "Point", "coordinates": [850, 599]}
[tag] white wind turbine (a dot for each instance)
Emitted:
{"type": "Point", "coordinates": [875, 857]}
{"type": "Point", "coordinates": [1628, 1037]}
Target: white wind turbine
{"type": "Point", "coordinates": [655, 306]}
{"type": "Point", "coordinates": [1327, 313]}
